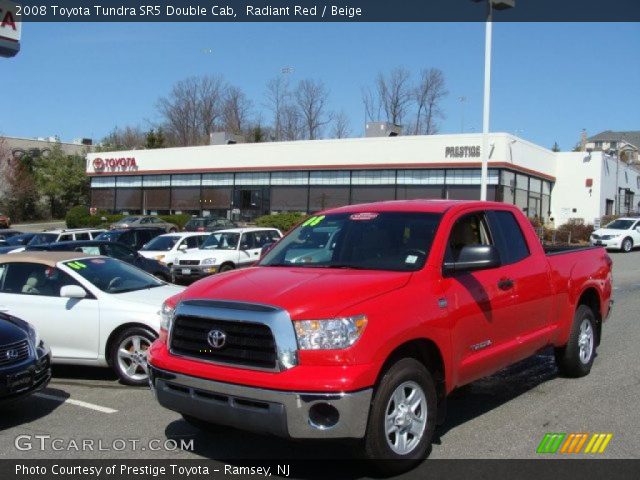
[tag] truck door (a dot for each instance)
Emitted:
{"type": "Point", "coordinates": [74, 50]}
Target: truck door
{"type": "Point", "coordinates": [479, 302]}
{"type": "Point", "coordinates": [525, 329]}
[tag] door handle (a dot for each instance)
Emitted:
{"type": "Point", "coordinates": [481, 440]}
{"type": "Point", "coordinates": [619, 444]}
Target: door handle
{"type": "Point", "coordinates": [505, 284]}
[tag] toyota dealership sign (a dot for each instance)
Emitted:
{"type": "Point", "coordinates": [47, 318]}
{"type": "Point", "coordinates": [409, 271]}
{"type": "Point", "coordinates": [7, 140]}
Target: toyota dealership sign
{"type": "Point", "coordinates": [10, 28]}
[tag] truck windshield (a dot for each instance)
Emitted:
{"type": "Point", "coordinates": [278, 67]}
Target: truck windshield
{"type": "Point", "coordinates": [620, 224]}
{"type": "Point", "coordinates": [397, 241]}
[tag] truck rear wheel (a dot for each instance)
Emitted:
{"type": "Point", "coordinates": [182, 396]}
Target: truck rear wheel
{"type": "Point", "coordinates": [402, 418]}
{"type": "Point", "coordinates": [576, 357]}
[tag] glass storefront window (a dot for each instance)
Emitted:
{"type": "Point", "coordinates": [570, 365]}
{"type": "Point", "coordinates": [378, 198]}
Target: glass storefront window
{"type": "Point", "coordinates": [508, 178]}
{"type": "Point", "coordinates": [155, 199]}
{"type": "Point", "coordinates": [330, 177]}
{"type": "Point", "coordinates": [546, 188]}
{"type": "Point", "coordinates": [185, 180]}
{"type": "Point", "coordinates": [185, 199]}
{"type": "Point", "coordinates": [417, 192]}
{"type": "Point", "coordinates": [103, 182]}
{"type": "Point", "coordinates": [546, 206]}
{"type": "Point", "coordinates": [214, 179]}
{"type": "Point", "coordinates": [252, 178]}
{"type": "Point", "coordinates": [129, 199]}
{"type": "Point", "coordinates": [373, 177]}
{"type": "Point", "coordinates": [129, 181]}
{"type": "Point", "coordinates": [470, 177]}
{"type": "Point", "coordinates": [289, 199]}
{"type": "Point", "coordinates": [421, 177]}
{"type": "Point", "coordinates": [156, 180]}
{"type": "Point", "coordinates": [535, 185]}
{"type": "Point", "coordinates": [289, 178]}
{"type": "Point", "coordinates": [507, 194]}
{"type": "Point", "coordinates": [522, 182]}
{"type": "Point", "coordinates": [521, 200]}
{"type": "Point", "coordinates": [321, 198]}
{"type": "Point", "coordinates": [372, 194]}
{"type": "Point", "coordinates": [103, 198]}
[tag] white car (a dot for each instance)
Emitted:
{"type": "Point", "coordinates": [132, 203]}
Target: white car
{"type": "Point", "coordinates": [621, 234]}
{"type": "Point", "coordinates": [91, 310]}
{"type": "Point", "coordinates": [60, 235]}
{"type": "Point", "coordinates": [224, 250]}
{"type": "Point", "coordinates": [170, 247]}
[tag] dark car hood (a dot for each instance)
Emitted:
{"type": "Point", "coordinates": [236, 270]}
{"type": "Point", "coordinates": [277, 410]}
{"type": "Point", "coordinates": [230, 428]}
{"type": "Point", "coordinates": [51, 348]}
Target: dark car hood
{"type": "Point", "coordinates": [303, 292]}
{"type": "Point", "coordinates": [12, 329]}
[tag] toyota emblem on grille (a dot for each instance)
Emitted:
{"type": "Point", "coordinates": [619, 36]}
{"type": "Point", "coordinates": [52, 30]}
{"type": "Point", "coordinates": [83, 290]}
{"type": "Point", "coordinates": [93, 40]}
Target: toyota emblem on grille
{"type": "Point", "coordinates": [216, 338]}
{"type": "Point", "coordinates": [12, 354]}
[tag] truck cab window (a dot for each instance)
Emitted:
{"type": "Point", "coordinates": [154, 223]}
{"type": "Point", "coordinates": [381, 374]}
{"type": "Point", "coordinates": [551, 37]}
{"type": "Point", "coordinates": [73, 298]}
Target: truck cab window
{"type": "Point", "coordinates": [469, 230]}
{"type": "Point", "coordinates": [508, 236]}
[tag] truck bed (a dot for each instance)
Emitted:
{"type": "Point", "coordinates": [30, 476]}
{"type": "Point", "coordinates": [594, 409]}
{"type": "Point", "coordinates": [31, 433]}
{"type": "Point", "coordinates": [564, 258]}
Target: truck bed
{"type": "Point", "coordinates": [559, 249]}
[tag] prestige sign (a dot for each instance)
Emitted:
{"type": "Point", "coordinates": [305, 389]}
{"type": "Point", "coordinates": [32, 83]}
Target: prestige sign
{"type": "Point", "coordinates": [462, 151]}
{"type": "Point", "coordinates": [10, 29]}
{"type": "Point", "coordinates": [122, 164]}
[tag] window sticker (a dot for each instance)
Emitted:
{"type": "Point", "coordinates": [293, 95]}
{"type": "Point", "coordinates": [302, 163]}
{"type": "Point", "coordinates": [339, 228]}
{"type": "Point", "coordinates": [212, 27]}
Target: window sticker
{"type": "Point", "coordinates": [313, 221]}
{"type": "Point", "coordinates": [364, 216]}
{"type": "Point", "coordinates": [411, 259]}
{"type": "Point", "coordinates": [76, 265]}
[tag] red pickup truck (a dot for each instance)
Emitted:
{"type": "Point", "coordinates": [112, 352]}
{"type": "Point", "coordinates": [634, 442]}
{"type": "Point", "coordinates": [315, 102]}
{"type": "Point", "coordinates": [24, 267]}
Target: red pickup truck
{"type": "Point", "coordinates": [362, 320]}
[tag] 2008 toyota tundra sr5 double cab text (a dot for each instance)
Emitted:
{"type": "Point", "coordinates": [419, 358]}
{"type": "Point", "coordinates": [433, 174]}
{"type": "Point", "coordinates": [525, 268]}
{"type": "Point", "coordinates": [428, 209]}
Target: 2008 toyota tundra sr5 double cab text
{"type": "Point", "coordinates": [362, 319]}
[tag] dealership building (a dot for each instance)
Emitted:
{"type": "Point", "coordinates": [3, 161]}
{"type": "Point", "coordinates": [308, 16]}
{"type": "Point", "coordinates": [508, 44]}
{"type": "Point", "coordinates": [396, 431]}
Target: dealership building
{"type": "Point", "coordinates": [243, 181]}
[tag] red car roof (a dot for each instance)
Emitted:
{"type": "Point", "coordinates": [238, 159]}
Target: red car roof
{"type": "Point", "coordinates": [432, 206]}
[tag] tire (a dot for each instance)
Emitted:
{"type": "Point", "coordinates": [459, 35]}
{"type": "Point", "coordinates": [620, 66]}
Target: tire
{"type": "Point", "coordinates": [128, 355]}
{"type": "Point", "coordinates": [576, 357]}
{"type": "Point", "coordinates": [202, 424]}
{"type": "Point", "coordinates": [406, 380]}
{"type": "Point", "coordinates": [226, 268]}
{"type": "Point", "coordinates": [627, 245]}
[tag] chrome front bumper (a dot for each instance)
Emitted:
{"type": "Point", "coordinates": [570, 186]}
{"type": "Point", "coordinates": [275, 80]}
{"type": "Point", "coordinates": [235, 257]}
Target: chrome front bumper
{"type": "Point", "coordinates": [281, 413]}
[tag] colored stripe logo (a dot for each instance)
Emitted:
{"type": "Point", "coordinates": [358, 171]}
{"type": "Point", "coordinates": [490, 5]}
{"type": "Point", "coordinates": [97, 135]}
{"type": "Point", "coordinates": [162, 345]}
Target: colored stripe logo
{"type": "Point", "coordinates": [574, 443]}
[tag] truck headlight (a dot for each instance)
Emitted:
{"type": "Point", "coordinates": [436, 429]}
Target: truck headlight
{"type": "Point", "coordinates": [209, 261]}
{"type": "Point", "coordinates": [166, 316]}
{"type": "Point", "coordinates": [330, 334]}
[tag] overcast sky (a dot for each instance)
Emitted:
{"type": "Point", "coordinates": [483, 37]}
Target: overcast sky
{"type": "Point", "coordinates": [549, 80]}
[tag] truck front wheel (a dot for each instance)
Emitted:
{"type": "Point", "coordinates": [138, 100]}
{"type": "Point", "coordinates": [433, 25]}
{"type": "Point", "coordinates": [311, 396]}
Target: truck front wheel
{"type": "Point", "coordinates": [402, 418]}
{"type": "Point", "coordinates": [576, 357]}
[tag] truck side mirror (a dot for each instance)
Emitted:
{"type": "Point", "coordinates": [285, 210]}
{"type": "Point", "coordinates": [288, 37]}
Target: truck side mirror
{"type": "Point", "coordinates": [474, 257]}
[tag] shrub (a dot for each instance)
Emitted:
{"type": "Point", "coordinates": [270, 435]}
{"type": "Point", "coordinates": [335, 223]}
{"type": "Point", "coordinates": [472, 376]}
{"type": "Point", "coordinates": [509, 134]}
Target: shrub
{"type": "Point", "coordinates": [77, 217]}
{"type": "Point", "coordinates": [575, 231]}
{"type": "Point", "coordinates": [180, 220]}
{"type": "Point", "coordinates": [282, 221]}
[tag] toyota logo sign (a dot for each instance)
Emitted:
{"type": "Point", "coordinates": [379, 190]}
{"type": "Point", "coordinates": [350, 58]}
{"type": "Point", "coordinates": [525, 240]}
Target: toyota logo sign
{"type": "Point", "coordinates": [115, 164]}
{"type": "Point", "coordinates": [216, 338]}
{"type": "Point", "coordinates": [12, 354]}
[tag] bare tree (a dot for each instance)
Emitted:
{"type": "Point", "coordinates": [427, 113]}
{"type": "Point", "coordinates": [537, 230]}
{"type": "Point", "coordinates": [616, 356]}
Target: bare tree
{"type": "Point", "coordinates": [341, 125]}
{"type": "Point", "coordinates": [394, 94]}
{"type": "Point", "coordinates": [277, 96]}
{"type": "Point", "coordinates": [311, 98]}
{"type": "Point", "coordinates": [372, 107]}
{"type": "Point", "coordinates": [236, 112]}
{"type": "Point", "coordinates": [292, 123]}
{"type": "Point", "coordinates": [127, 138]}
{"type": "Point", "coordinates": [191, 110]}
{"type": "Point", "coordinates": [427, 95]}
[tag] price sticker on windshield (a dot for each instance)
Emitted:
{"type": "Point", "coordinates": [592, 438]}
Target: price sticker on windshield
{"type": "Point", "coordinates": [363, 216]}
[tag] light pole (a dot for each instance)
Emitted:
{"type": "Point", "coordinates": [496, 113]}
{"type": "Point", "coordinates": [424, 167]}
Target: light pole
{"type": "Point", "coordinates": [491, 5]}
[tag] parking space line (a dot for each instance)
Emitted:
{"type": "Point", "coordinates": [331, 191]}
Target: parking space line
{"type": "Point", "coordinates": [79, 403]}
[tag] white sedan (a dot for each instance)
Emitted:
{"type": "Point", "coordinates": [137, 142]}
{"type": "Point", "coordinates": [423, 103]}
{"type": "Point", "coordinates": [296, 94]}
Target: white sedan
{"type": "Point", "coordinates": [91, 310]}
{"type": "Point", "coordinates": [621, 234]}
{"type": "Point", "coordinates": [170, 247]}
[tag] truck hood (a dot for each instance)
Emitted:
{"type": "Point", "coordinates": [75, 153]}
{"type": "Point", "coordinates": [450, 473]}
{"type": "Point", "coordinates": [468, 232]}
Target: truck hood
{"type": "Point", "coordinates": [306, 293]}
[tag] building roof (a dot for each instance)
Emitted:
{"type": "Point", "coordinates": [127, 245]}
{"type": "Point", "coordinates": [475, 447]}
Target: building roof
{"type": "Point", "coordinates": [45, 258]}
{"type": "Point", "coordinates": [629, 136]}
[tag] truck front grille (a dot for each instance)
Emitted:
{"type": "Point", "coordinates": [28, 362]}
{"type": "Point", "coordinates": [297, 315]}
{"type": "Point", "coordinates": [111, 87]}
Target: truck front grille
{"type": "Point", "coordinates": [14, 352]}
{"type": "Point", "coordinates": [245, 344]}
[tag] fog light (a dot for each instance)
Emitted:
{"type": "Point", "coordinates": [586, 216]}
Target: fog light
{"type": "Point", "coordinates": [323, 416]}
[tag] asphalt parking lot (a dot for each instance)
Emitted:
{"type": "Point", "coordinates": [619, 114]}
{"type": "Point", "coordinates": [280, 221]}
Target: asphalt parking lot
{"type": "Point", "coordinates": [503, 416]}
